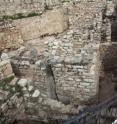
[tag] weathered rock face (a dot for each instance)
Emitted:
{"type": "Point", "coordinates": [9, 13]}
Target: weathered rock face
{"type": "Point", "coordinates": [21, 6]}
{"type": "Point", "coordinates": [51, 22]}
{"type": "Point", "coordinates": [63, 67]}
{"type": "Point", "coordinates": [13, 34]}
{"type": "Point", "coordinates": [73, 54]}
{"type": "Point", "coordinates": [27, 97]}
{"type": "Point", "coordinates": [10, 38]}
{"type": "Point", "coordinates": [11, 102]}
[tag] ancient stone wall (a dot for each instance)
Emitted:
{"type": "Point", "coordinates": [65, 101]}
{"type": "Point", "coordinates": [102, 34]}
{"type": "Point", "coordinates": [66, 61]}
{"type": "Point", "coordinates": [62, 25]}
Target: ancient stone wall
{"type": "Point", "coordinates": [73, 53]}
{"type": "Point", "coordinates": [51, 22]}
{"type": "Point", "coordinates": [63, 68]}
{"type": "Point", "coordinates": [11, 7]}
{"type": "Point", "coordinates": [28, 93]}
{"type": "Point", "coordinates": [13, 34]}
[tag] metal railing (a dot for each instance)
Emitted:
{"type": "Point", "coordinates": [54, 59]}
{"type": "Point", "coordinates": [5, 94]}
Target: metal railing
{"type": "Point", "coordinates": [97, 114]}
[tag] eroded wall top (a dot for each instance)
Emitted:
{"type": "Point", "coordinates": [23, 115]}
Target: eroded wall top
{"type": "Point", "coordinates": [10, 7]}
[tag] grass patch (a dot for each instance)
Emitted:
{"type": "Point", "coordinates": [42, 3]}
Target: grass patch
{"type": "Point", "coordinates": [65, 1]}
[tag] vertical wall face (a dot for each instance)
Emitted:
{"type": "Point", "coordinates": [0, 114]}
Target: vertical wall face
{"type": "Point", "coordinates": [74, 53]}
{"type": "Point", "coordinates": [68, 66]}
{"type": "Point", "coordinates": [14, 33]}
{"type": "Point", "coordinates": [78, 81]}
{"type": "Point", "coordinates": [10, 7]}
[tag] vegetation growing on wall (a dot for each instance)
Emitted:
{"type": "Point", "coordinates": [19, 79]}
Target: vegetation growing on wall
{"type": "Point", "coordinates": [5, 85]}
{"type": "Point", "coordinates": [64, 1]}
{"type": "Point", "coordinates": [18, 16]}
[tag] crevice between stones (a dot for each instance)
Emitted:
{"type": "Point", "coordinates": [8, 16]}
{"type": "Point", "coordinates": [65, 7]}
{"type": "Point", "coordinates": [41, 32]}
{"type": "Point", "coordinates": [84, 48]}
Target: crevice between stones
{"type": "Point", "coordinates": [51, 83]}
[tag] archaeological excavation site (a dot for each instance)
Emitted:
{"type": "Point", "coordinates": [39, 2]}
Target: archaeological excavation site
{"type": "Point", "coordinates": [58, 61]}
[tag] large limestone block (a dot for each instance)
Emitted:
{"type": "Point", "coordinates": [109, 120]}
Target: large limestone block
{"type": "Point", "coordinates": [51, 22]}
{"type": "Point", "coordinates": [5, 69]}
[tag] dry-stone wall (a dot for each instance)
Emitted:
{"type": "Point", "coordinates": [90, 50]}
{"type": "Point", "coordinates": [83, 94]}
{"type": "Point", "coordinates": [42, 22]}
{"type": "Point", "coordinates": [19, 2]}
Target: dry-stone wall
{"type": "Point", "coordinates": [63, 67]}
{"type": "Point", "coordinates": [29, 95]}
{"type": "Point", "coordinates": [11, 101]}
{"type": "Point", "coordinates": [73, 54]}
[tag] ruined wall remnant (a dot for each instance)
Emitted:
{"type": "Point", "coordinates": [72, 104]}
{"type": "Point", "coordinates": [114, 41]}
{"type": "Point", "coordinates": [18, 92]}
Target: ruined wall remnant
{"type": "Point", "coordinates": [14, 33]}
{"type": "Point", "coordinates": [58, 64]}
{"type": "Point", "coordinates": [51, 22]}
{"type": "Point", "coordinates": [11, 101]}
{"type": "Point", "coordinates": [22, 6]}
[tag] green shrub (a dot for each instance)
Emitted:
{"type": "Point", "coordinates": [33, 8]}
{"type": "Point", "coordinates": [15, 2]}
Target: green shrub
{"type": "Point", "coordinates": [32, 14]}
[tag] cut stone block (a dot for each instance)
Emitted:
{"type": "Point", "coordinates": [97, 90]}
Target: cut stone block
{"type": "Point", "coordinates": [5, 69]}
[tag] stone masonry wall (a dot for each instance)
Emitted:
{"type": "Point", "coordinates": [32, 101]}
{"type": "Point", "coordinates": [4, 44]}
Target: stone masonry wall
{"type": "Point", "coordinates": [73, 54]}
{"type": "Point", "coordinates": [34, 87]}
{"type": "Point", "coordinates": [15, 33]}
{"type": "Point", "coordinates": [68, 66]}
{"type": "Point", "coordinates": [10, 7]}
